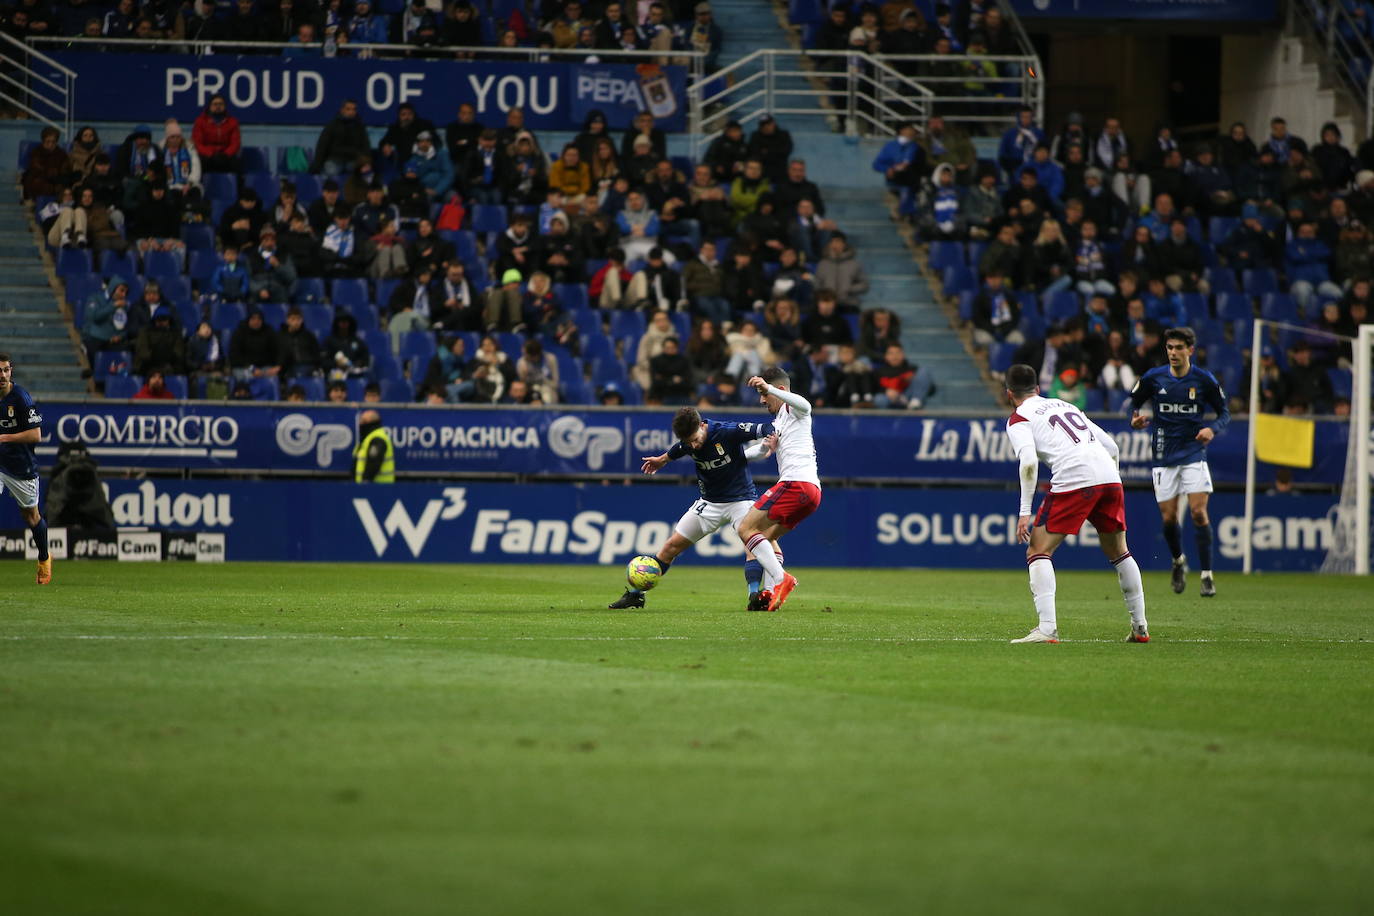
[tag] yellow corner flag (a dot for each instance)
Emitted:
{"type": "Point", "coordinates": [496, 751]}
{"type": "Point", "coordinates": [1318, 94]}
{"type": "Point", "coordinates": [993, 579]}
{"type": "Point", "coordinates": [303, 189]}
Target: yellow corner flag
{"type": "Point", "coordinates": [1284, 440]}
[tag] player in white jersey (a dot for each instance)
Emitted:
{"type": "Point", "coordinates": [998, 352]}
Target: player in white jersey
{"type": "Point", "coordinates": [798, 491]}
{"type": "Point", "coordinates": [1085, 485]}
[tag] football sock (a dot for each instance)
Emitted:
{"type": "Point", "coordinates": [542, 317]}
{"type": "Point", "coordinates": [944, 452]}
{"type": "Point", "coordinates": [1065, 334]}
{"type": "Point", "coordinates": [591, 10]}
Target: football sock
{"type": "Point", "coordinates": [40, 538]}
{"type": "Point", "coordinates": [663, 564]}
{"type": "Point", "coordinates": [1128, 574]}
{"type": "Point", "coordinates": [1173, 536]}
{"type": "Point", "coordinates": [1042, 590]}
{"type": "Point", "coordinates": [1204, 546]}
{"type": "Point", "coordinates": [753, 575]}
{"type": "Point", "coordinates": [762, 550]}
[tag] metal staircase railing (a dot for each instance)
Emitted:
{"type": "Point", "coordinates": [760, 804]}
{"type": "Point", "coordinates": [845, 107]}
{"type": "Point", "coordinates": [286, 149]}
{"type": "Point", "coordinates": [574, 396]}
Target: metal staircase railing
{"type": "Point", "coordinates": [36, 85]}
{"type": "Point", "coordinates": [1349, 52]}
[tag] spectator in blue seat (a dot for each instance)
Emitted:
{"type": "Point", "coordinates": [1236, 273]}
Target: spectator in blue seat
{"type": "Point", "coordinates": [1301, 176]}
{"type": "Point", "coordinates": [840, 270]}
{"type": "Point", "coordinates": [398, 143]}
{"type": "Point", "coordinates": [254, 350]}
{"type": "Point", "coordinates": [300, 348]}
{"type": "Point", "coordinates": [1354, 254]}
{"type": "Point", "coordinates": [1051, 262]}
{"type": "Point", "coordinates": [1075, 172]}
{"type": "Point", "coordinates": [1091, 272]}
{"type": "Point", "coordinates": [1102, 206]}
{"type": "Point", "coordinates": [639, 227]}
{"type": "Point", "coordinates": [1003, 256]}
{"type": "Point", "coordinates": [365, 27]}
{"type": "Point", "coordinates": [1260, 182]}
{"type": "Point", "coordinates": [229, 280]}
{"type": "Point", "coordinates": [1237, 148]}
{"type": "Point", "coordinates": [1159, 217]}
{"type": "Point", "coordinates": [303, 42]}
{"type": "Point", "coordinates": [710, 206]}
{"type": "Point", "coordinates": [702, 281]}
{"type": "Point", "coordinates": [272, 276]}
{"type": "Point", "coordinates": [670, 375]}
{"type": "Point", "coordinates": [1250, 245]}
{"type": "Point", "coordinates": [119, 22]}
{"type": "Point", "coordinates": [1019, 142]}
{"type": "Point", "coordinates": [454, 305]}
{"type": "Point", "coordinates": [341, 249]}
{"type": "Point", "coordinates": [902, 163]}
{"type": "Point", "coordinates": [763, 232]}
{"type": "Point", "coordinates": [460, 136]}
{"type": "Point", "coordinates": [515, 248]}
{"type": "Point", "coordinates": [343, 142]}
{"type": "Point", "coordinates": [808, 232]}
{"type": "Point", "coordinates": [996, 313]}
{"type": "Point", "coordinates": [1164, 142]}
{"type": "Point", "coordinates": [705, 37]}
{"type": "Point", "coordinates": [1337, 165]}
{"type": "Point", "coordinates": [242, 222]}
{"type": "Point", "coordinates": [558, 252]}
{"type": "Point", "coordinates": [1280, 142]}
{"type": "Point", "coordinates": [666, 192]}
{"type": "Point", "coordinates": [1180, 260]}
{"type": "Point", "coordinates": [484, 170]}
{"type": "Point", "coordinates": [983, 205]}
{"type": "Point", "coordinates": [375, 209]}
{"type": "Point", "coordinates": [157, 223]}
{"type": "Point", "coordinates": [1305, 262]}
{"type": "Point", "coordinates": [344, 354]}
{"type": "Point", "coordinates": [410, 196]}
{"type": "Point", "coordinates": [1163, 305]}
{"type": "Point", "coordinates": [1048, 173]}
{"type": "Point", "coordinates": [1213, 192]}
{"type": "Point", "coordinates": [431, 167]}
{"type": "Point", "coordinates": [793, 279]}
{"type": "Point", "coordinates": [1169, 178]}
{"type": "Point", "coordinates": [657, 287]}
{"type": "Point", "coordinates": [540, 306]}
{"type": "Point", "coordinates": [1131, 186]}
{"type": "Point", "coordinates": [203, 353]}
{"type": "Point", "coordinates": [593, 132]}
{"type": "Point", "coordinates": [743, 283]}
{"type": "Point", "coordinates": [418, 25]}
{"type": "Point", "coordinates": [940, 216]}
{"type": "Point", "coordinates": [772, 146]}
{"type": "Point", "coordinates": [448, 369]}
{"type": "Point", "coordinates": [900, 384]}
{"type": "Point", "coordinates": [727, 153]}
{"type": "Point", "coordinates": [612, 27]}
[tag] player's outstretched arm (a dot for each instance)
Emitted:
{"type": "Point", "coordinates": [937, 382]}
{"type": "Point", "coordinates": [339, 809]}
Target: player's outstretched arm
{"type": "Point", "coordinates": [762, 448]}
{"type": "Point", "coordinates": [1106, 440]}
{"type": "Point", "coordinates": [652, 465]}
{"type": "Point", "coordinates": [799, 404]}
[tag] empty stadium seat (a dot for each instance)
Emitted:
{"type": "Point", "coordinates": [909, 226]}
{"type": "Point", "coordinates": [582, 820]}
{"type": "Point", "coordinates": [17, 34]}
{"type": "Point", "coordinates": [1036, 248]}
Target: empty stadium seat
{"type": "Point", "coordinates": [122, 386]}
{"type": "Point", "coordinates": [220, 186]}
{"type": "Point", "coordinates": [966, 299]}
{"type": "Point", "coordinates": [307, 188]}
{"type": "Point", "coordinates": [365, 315]}
{"type": "Point", "coordinates": [312, 386]}
{"type": "Point", "coordinates": [1342, 382]}
{"type": "Point", "coordinates": [1279, 307]}
{"type": "Point", "coordinates": [947, 254]}
{"type": "Point", "coordinates": [162, 264]}
{"type": "Point", "coordinates": [384, 366]}
{"type": "Point", "coordinates": [198, 237]}
{"type": "Point", "coordinates": [417, 349]}
{"type": "Point", "coordinates": [576, 391]}
{"type": "Point", "coordinates": [200, 265]}
{"type": "Point", "coordinates": [1234, 307]}
{"type": "Point", "coordinates": [111, 362]}
{"type": "Point", "coordinates": [1221, 279]}
{"type": "Point", "coordinates": [1000, 356]}
{"type": "Point", "coordinates": [383, 295]}
{"type": "Point", "coordinates": [318, 319]}
{"type": "Point", "coordinates": [397, 391]}
{"type": "Point", "coordinates": [308, 290]}
{"type": "Point", "coordinates": [265, 184]}
{"type": "Point", "coordinates": [1062, 306]}
{"type": "Point", "coordinates": [189, 314]}
{"type": "Point", "coordinates": [957, 279]}
{"type": "Point", "coordinates": [628, 322]}
{"type": "Point", "coordinates": [572, 295]}
{"type": "Point", "coordinates": [273, 313]}
{"type": "Point", "coordinates": [265, 388]}
{"type": "Point", "coordinates": [118, 263]}
{"type": "Point", "coordinates": [225, 316]}
{"type": "Point", "coordinates": [1219, 227]}
{"type": "Point", "coordinates": [1259, 280]}
{"type": "Point", "coordinates": [175, 289]}
{"type": "Point", "coordinates": [488, 218]}
{"type": "Point", "coordinates": [73, 262]}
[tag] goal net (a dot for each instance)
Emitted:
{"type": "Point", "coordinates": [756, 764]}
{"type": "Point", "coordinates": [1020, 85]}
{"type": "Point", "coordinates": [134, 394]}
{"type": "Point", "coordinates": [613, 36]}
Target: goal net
{"type": "Point", "coordinates": [1351, 535]}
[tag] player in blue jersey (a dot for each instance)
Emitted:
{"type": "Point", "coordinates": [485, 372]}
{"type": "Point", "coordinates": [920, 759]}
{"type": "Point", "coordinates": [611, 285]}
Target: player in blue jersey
{"type": "Point", "coordinates": [1180, 394]}
{"type": "Point", "coordinates": [20, 429]}
{"type": "Point", "coordinates": [721, 452]}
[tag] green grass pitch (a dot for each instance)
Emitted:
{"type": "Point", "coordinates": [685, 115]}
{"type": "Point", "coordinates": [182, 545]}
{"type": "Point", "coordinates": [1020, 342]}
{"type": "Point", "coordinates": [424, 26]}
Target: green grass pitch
{"type": "Point", "coordinates": [283, 739]}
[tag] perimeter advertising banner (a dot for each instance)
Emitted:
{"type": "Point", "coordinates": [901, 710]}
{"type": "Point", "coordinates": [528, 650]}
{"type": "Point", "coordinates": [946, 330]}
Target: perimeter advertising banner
{"type": "Point", "coordinates": [264, 89]}
{"type": "Point", "coordinates": [1205, 10]}
{"type": "Point", "coordinates": [608, 524]}
{"type": "Point", "coordinates": [600, 443]}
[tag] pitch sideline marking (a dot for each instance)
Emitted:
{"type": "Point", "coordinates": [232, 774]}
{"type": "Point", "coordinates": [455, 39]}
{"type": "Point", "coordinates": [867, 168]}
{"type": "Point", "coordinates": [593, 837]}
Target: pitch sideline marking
{"type": "Point", "coordinates": [305, 637]}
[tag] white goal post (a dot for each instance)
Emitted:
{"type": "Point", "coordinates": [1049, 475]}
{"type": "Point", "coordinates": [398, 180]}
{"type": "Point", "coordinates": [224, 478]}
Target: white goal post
{"type": "Point", "coordinates": [1348, 550]}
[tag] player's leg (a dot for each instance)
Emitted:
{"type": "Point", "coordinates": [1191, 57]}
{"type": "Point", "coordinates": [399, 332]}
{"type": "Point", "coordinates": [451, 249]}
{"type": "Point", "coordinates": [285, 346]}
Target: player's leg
{"type": "Point", "coordinates": [753, 579]}
{"type": "Point", "coordinates": [1128, 577]}
{"type": "Point", "coordinates": [1202, 528]}
{"type": "Point", "coordinates": [1166, 482]}
{"type": "Point", "coordinates": [1040, 567]}
{"type": "Point", "coordinates": [665, 556]}
{"type": "Point", "coordinates": [755, 530]}
{"type": "Point", "coordinates": [25, 492]}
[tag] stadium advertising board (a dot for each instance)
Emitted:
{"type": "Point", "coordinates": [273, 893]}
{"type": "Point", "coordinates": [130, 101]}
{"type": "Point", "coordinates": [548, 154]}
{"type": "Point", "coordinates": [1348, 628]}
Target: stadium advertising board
{"type": "Point", "coordinates": [594, 524]}
{"type": "Point", "coordinates": [1205, 10]}
{"type": "Point", "coordinates": [291, 437]}
{"type": "Point", "coordinates": [309, 90]}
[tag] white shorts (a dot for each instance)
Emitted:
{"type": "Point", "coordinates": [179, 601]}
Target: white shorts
{"type": "Point", "coordinates": [704, 518]}
{"type": "Point", "coordinates": [25, 492]}
{"type": "Point", "coordinates": [1181, 479]}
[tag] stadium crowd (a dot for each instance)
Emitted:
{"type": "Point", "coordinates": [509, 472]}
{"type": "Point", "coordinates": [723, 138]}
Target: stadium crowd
{"type": "Point", "coordinates": [460, 264]}
{"type": "Point", "coordinates": [1073, 252]}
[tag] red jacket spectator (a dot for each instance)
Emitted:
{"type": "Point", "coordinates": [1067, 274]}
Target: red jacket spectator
{"type": "Point", "coordinates": [216, 136]}
{"type": "Point", "coordinates": [599, 279]}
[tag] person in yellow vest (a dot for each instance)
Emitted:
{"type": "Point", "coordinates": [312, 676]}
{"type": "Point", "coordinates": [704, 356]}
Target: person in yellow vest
{"type": "Point", "coordinates": [374, 460]}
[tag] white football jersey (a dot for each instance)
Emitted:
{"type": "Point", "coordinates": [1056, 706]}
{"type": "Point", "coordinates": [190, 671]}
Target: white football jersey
{"type": "Point", "coordinates": [1079, 454]}
{"type": "Point", "coordinates": [796, 448]}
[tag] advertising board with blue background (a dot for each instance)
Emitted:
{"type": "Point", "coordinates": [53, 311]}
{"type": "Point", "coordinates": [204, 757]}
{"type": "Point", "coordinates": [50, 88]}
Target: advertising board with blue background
{"type": "Point", "coordinates": [1205, 10]}
{"type": "Point", "coordinates": [609, 523]}
{"type": "Point", "coordinates": [309, 90]}
{"type": "Point", "coordinates": [202, 435]}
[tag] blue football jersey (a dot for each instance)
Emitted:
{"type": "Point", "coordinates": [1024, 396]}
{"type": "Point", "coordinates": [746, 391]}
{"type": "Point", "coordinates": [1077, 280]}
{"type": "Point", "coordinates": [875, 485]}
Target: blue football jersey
{"type": "Point", "coordinates": [722, 470]}
{"type": "Point", "coordinates": [18, 413]}
{"type": "Point", "coordinates": [1179, 405]}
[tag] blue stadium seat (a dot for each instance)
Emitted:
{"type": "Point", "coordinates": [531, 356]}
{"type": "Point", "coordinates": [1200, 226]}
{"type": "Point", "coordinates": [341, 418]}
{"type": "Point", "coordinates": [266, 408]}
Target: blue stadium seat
{"type": "Point", "coordinates": [1095, 400]}
{"type": "Point", "coordinates": [349, 292]}
{"type": "Point", "coordinates": [572, 295]}
{"type": "Point", "coordinates": [1234, 307]}
{"type": "Point", "coordinates": [1062, 306]}
{"type": "Point", "coordinates": [957, 279]}
{"type": "Point", "coordinates": [1195, 306]}
{"type": "Point", "coordinates": [1342, 382]}
{"type": "Point", "coordinates": [365, 315]}
{"type": "Point", "coordinates": [597, 347]}
{"type": "Point", "coordinates": [175, 289]}
{"type": "Point", "coordinates": [610, 371]}
{"type": "Point", "coordinates": [1219, 227]}
{"type": "Point", "coordinates": [265, 388]}
{"type": "Point", "coordinates": [116, 262]}
{"type": "Point", "coordinates": [200, 265]}
{"type": "Point", "coordinates": [21, 161]}
{"type": "Point", "coordinates": [273, 313]}
{"type": "Point", "coordinates": [488, 218]}
{"type": "Point", "coordinates": [576, 391]}
{"type": "Point", "coordinates": [1259, 281]}
{"type": "Point", "coordinates": [975, 251]}
{"type": "Point", "coordinates": [1221, 279]}
{"type": "Point", "coordinates": [111, 362]}
{"type": "Point", "coordinates": [1279, 307]}
{"type": "Point", "coordinates": [383, 295]}
{"type": "Point", "coordinates": [225, 316]}
{"type": "Point", "coordinates": [966, 304]}
{"type": "Point", "coordinates": [683, 323]}
{"type": "Point", "coordinates": [162, 264]}
{"type": "Point", "coordinates": [397, 391]}
{"type": "Point", "coordinates": [255, 159]}
{"type": "Point", "coordinates": [308, 290]}
{"type": "Point", "coordinates": [318, 319]}
{"type": "Point", "coordinates": [385, 367]}
{"type": "Point", "coordinates": [947, 254]}
{"type": "Point", "coordinates": [357, 386]}
{"type": "Point", "coordinates": [629, 322]}
{"type": "Point", "coordinates": [189, 314]}
{"type": "Point", "coordinates": [377, 341]}
{"type": "Point", "coordinates": [313, 387]}
{"type": "Point", "coordinates": [220, 186]}
{"type": "Point", "coordinates": [178, 386]}
{"type": "Point", "coordinates": [417, 349]}
{"type": "Point", "coordinates": [198, 237]}
{"type": "Point", "coordinates": [464, 243]}
{"type": "Point", "coordinates": [72, 262]}
{"type": "Point", "coordinates": [265, 184]}
{"type": "Point", "coordinates": [512, 344]}
{"type": "Point", "coordinates": [307, 188]}
{"type": "Point", "coordinates": [1000, 356]}
{"type": "Point", "coordinates": [122, 386]}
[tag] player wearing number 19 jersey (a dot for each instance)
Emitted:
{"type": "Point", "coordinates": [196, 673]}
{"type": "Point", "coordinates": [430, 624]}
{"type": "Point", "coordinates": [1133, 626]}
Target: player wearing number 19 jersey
{"type": "Point", "coordinates": [1085, 485]}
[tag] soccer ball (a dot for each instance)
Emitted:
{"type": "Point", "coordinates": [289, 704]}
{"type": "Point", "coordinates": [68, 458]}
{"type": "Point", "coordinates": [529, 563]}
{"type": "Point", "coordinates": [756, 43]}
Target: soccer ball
{"type": "Point", "coordinates": [643, 573]}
